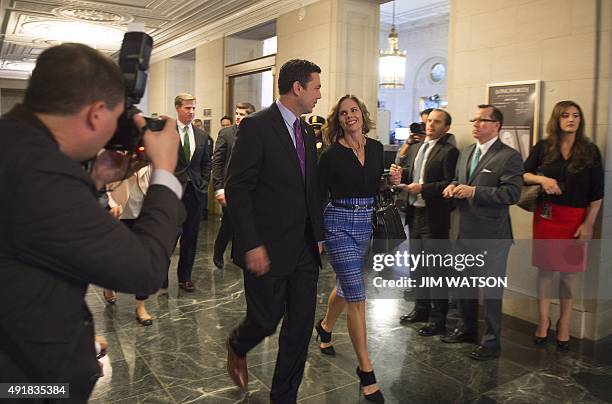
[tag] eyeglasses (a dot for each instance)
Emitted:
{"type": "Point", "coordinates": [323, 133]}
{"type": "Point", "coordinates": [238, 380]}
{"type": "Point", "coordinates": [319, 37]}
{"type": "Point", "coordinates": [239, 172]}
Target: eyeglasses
{"type": "Point", "coordinates": [479, 120]}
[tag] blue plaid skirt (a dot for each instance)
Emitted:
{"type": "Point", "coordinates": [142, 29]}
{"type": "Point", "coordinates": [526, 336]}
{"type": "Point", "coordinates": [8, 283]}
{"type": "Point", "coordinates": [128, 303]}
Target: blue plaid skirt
{"type": "Point", "coordinates": [347, 239]}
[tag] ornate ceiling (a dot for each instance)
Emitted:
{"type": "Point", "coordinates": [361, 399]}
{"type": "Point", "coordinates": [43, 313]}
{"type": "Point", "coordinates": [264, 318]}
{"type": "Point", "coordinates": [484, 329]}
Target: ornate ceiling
{"type": "Point", "coordinates": [177, 26]}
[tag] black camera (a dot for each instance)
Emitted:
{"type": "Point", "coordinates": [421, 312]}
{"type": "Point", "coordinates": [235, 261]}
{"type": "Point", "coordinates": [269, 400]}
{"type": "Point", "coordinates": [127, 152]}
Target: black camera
{"type": "Point", "coordinates": [134, 59]}
{"type": "Point", "coordinates": [417, 127]}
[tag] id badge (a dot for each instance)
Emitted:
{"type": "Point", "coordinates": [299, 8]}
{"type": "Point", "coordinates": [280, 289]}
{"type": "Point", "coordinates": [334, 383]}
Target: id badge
{"type": "Point", "coordinates": [546, 212]}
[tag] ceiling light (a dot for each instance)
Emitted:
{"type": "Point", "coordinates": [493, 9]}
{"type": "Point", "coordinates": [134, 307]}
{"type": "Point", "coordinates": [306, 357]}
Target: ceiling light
{"type": "Point", "coordinates": [392, 62]}
{"type": "Point", "coordinates": [17, 65]}
{"type": "Point", "coordinates": [94, 35]}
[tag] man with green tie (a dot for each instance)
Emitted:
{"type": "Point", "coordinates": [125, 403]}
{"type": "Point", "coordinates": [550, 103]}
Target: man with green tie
{"type": "Point", "coordinates": [488, 179]}
{"type": "Point", "coordinates": [193, 171]}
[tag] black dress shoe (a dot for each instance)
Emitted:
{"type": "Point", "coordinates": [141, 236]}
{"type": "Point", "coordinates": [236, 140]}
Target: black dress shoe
{"type": "Point", "coordinates": [187, 286]}
{"type": "Point", "coordinates": [431, 329]}
{"type": "Point", "coordinates": [218, 261]}
{"type": "Point", "coordinates": [485, 353]}
{"type": "Point", "coordinates": [414, 317]}
{"type": "Point", "coordinates": [457, 335]}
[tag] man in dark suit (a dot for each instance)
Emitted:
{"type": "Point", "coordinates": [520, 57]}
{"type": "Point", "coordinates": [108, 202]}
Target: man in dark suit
{"type": "Point", "coordinates": [488, 180]}
{"type": "Point", "coordinates": [193, 171]}
{"type": "Point", "coordinates": [272, 198]}
{"type": "Point", "coordinates": [430, 168]}
{"type": "Point", "coordinates": [56, 239]}
{"type": "Point", "coordinates": [220, 163]}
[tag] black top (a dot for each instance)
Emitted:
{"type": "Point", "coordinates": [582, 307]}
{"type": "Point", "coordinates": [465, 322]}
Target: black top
{"type": "Point", "coordinates": [579, 189]}
{"type": "Point", "coordinates": [342, 175]}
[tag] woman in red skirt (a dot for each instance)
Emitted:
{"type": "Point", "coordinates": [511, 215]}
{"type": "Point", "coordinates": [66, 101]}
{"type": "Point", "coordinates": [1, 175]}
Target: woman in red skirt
{"type": "Point", "coordinates": [568, 167]}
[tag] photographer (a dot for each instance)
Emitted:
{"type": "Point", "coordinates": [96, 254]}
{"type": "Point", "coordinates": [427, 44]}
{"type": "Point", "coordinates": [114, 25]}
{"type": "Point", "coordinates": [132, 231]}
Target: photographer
{"type": "Point", "coordinates": [416, 135]}
{"type": "Point", "coordinates": [55, 238]}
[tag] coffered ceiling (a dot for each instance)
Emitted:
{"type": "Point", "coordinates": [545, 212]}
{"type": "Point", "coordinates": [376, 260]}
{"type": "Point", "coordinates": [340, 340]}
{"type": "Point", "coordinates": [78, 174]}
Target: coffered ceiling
{"type": "Point", "coordinates": [177, 26]}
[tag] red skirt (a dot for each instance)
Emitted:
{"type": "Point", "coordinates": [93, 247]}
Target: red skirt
{"type": "Point", "coordinates": [554, 246]}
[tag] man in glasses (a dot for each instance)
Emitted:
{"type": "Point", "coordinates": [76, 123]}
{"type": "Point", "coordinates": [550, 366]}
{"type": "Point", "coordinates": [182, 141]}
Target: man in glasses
{"type": "Point", "coordinates": [488, 180]}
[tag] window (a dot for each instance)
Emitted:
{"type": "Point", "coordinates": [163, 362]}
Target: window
{"type": "Point", "coordinates": [438, 72]}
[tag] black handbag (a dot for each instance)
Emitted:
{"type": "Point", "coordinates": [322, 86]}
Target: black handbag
{"type": "Point", "coordinates": [387, 227]}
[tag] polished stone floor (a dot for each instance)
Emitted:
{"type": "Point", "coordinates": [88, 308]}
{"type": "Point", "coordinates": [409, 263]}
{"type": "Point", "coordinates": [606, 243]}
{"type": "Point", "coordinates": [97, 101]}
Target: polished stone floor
{"type": "Point", "coordinates": [181, 357]}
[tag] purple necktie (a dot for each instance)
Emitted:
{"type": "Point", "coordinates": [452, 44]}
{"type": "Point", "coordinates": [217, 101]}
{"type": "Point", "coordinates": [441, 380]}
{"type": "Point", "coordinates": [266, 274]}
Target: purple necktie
{"type": "Point", "coordinates": [299, 144]}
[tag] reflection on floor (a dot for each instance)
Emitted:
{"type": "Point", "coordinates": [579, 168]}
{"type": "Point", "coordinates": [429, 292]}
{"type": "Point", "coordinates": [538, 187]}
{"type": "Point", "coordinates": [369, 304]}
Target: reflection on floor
{"type": "Point", "coordinates": [181, 357]}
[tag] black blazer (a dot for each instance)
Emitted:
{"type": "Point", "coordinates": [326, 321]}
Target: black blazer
{"type": "Point", "coordinates": [269, 202]}
{"type": "Point", "coordinates": [198, 170]}
{"type": "Point", "coordinates": [222, 154]}
{"type": "Point", "coordinates": [55, 239]}
{"type": "Point", "coordinates": [438, 172]}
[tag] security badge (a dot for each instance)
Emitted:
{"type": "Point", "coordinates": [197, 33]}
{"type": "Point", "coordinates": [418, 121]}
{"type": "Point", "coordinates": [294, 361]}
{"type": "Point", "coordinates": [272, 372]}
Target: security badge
{"type": "Point", "coordinates": [546, 212]}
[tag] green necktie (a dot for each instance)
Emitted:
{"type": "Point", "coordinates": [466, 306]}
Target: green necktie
{"type": "Point", "coordinates": [474, 162]}
{"type": "Point", "coordinates": [186, 143]}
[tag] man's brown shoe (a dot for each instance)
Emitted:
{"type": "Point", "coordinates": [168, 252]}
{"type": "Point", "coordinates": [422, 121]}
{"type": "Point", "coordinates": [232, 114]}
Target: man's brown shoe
{"type": "Point", "coordinates": [187, 286]}
{"type": "Point", "coordinates": [237, 367]}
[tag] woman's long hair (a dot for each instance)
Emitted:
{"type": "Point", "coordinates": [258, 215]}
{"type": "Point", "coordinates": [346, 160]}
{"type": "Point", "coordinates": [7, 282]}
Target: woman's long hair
{"type": "Point", "coordinates": [332, 131]}
{"type": "Point", "coordinates": [582, 154]}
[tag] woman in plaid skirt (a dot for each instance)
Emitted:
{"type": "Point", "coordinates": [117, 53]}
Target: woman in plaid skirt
{"type": "Point", "coordinates": [349, 175]}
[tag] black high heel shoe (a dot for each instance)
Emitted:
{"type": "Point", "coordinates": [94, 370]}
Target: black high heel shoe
{"type": "Point", "coordinates": [367, 379]}
{"type": "Point", "coordinates": [562, 346]}
{"type": "Point", "coordinates": [325, 337]}
{"type": "Point", "coordinates": [542, 340]}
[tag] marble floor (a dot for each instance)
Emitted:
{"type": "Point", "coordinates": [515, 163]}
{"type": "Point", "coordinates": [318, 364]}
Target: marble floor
{"type": "Point", "coordinates": [181, 357]}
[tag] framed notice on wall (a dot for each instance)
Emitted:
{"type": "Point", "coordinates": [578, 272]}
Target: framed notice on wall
{"type": "Point", "coordinates": [519, 101]}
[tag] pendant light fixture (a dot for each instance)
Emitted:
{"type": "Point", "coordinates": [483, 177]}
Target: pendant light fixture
{"type": "Point", "coordinates": [392, 62]}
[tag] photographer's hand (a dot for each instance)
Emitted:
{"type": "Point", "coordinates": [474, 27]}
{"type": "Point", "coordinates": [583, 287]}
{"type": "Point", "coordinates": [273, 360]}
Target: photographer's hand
{"type": "Point", "coordinates": [161, 147]}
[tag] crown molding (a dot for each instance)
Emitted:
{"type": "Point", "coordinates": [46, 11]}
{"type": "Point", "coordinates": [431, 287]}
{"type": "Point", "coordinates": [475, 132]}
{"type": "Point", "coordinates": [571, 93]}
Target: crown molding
{"type": "Point", "coordinates": [259, 13]}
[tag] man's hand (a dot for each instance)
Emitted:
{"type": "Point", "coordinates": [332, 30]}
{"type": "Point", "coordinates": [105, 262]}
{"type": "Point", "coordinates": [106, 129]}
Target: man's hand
{"type": "Point", "coordinates": [320, 244]}
{"type": "Point", "coordinates": [448, 191]}
{"type": "Point", "coordinates": [221, 200]}
{"type": "Point", "coordinates": [110, 166]}
{"type": "Point", "coordinates": [161, 147]}
{"type": "Point", "coordinates": [395, 176]}
{"type": "Point", "coordinates": [463, 191]}
{"type": "Point", "coordinates": [414, 188]}
{"type": "Point", "coordinates": [257, 261]}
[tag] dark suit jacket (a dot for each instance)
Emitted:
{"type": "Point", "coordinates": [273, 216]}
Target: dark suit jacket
{"type": "Point", "coordinates": [55, 239]}
{"type": "Point", "coordinates": [197, 171]}
{"type": "Point", "coordinates": [221, 157]}
{"type": "Point", "coordinates": [438, 172]}
{"type": "Point", "coordinates": [269, 202]}
{"type": "Point", "coordinates": [498, 179]}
